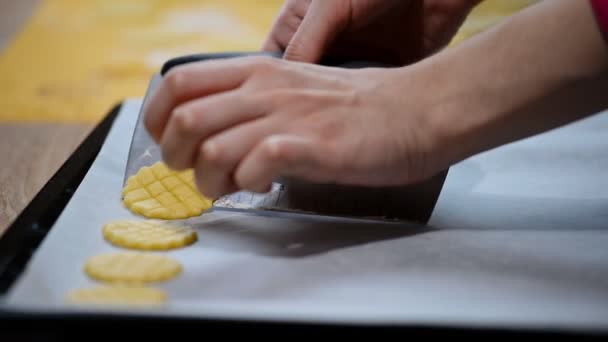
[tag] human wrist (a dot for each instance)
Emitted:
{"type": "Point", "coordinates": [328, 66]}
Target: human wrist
{"type": "Point", "coordinates": [541, 69]}
{"type": "Point", "coordinates": [452, 123]}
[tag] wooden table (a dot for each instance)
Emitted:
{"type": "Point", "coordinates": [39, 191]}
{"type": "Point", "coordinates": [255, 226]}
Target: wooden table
{"type": "Point", "coordinates": [29, 153]}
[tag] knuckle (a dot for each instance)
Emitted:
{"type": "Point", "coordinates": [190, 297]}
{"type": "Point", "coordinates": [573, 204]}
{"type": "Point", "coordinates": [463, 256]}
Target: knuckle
{"type": "Point", "coordinates": [295, 50]}
{"type": "Point", "coordinates": [151, 123]}
{"type": "Point", "coordinates": [293, 54]}
{"type": "Point", "coordinates": [272, 150]}
{"type": "Point", "coordinates": [182, 120]}
{"type": "Point", "coordinates": [293, 22]}
{"type": "Point", "coordinates": [211, 156]}
{"type": "Point", "coordinates": [173, 82]}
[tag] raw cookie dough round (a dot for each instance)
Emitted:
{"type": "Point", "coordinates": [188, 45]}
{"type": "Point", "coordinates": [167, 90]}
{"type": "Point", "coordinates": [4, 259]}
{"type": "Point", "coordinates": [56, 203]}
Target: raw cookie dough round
{"type": "Point", "coordinates": [132, 267]}
{"type": "Point", "coordinates": [118, 295]}
{"type": "Point", "coordinates": [158, 192]}
{"type": "Point", "coordinates": [148, 235]}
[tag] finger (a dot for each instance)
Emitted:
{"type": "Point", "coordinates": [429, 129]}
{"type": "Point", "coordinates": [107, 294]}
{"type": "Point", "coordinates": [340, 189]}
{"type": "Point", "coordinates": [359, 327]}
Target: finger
{"type": "Point", "coordinates": [190, 81]}
{"type": "Point", "coordinates": [211, 181]}
{"type": "Point", "coordinates": [285, 156]}
{"type": "Point", "coordinates": [287, 23]}
{"type": "Point", "coordinates": [320, 26]}
{"type": "Point", "coordinates": [196, 120]}
{"type": "Point", "coordinates": [271, 44]}
{"type": "Point", "coordinates": [280, 37]}
{"type": "Point", "coordinates": [219, 156]}
{"type": "Point", "coordinates": [231, 146]}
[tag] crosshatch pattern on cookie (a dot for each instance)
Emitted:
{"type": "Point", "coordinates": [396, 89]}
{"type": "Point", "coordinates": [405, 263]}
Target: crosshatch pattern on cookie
{"type": "Point", "coordinates": [157, 192]}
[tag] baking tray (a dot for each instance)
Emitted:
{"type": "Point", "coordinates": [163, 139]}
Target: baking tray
{"type": "Point", "coordinates": [409, 203]}
{"type": "Point", "coordinates": [29, 229]}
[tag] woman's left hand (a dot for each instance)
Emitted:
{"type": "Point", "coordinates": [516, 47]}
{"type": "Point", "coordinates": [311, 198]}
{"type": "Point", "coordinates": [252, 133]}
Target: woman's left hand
{"type": "Point", "coordinates": [242, 123]}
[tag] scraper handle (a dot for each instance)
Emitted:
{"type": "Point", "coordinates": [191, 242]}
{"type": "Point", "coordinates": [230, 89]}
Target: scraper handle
{"type": "Point", "coordinates": [208, 56]}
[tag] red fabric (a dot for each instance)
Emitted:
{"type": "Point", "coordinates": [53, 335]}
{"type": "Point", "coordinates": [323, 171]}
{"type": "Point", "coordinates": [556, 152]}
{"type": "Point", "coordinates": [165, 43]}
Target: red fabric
{"type": "Point", "coordinates": [600, 7]}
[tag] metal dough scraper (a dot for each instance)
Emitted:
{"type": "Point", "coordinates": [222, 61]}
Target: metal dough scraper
{"type": "Point", "coordinates": [413, 203]}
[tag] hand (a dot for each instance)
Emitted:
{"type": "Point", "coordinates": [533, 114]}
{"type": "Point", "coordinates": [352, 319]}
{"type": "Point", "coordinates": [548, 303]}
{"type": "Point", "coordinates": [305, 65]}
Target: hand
{"type": "Point", "coordinates": [390, 31]}
{"type": "Point", "coordinates": [242, 123]}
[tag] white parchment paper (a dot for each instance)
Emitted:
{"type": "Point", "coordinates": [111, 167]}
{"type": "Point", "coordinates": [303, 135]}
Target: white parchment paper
{"type": "Point", "coordinates": [519, 238]}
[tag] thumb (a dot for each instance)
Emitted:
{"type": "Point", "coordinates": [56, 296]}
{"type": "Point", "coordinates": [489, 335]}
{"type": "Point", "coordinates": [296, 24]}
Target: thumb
{"type": "Point", "coordinates": [322, 23]}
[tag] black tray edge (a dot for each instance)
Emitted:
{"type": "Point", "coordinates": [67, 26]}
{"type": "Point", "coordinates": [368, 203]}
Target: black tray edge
{"type": "Point", "coordinates": [23, 236]}
{"type": "Point", "coordinates": [66, 325]}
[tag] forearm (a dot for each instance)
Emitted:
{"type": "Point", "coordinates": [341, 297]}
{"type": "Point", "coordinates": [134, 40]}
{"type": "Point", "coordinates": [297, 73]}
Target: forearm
{"type": "Point", "coordinates": [540, 69]}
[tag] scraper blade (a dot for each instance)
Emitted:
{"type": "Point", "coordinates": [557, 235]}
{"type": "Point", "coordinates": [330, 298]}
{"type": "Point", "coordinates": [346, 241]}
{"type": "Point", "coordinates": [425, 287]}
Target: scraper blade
{"type": "Point", "coordinates": [290, 196]}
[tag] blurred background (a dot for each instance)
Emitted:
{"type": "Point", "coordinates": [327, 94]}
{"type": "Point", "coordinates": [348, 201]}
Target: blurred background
{"type": "Point", "coordinates": [65, 63]}
{"type": "Point", "coordinates": [71, 60]}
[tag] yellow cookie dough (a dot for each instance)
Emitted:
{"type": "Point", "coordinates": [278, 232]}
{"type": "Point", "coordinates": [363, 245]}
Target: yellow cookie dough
{"type": "Point", "coordinates": [148, 235]}
{"type": "Point", "coordinates": [132, 267]}
{"type": "Point", "coordinates": [118, 295]}
{"type": "Point", "coordinates": [158, 192]}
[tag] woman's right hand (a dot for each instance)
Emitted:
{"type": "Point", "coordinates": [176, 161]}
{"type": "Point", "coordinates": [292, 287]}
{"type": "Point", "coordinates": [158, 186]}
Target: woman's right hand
{"type": "Point", "coordinates": [388, 31]}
